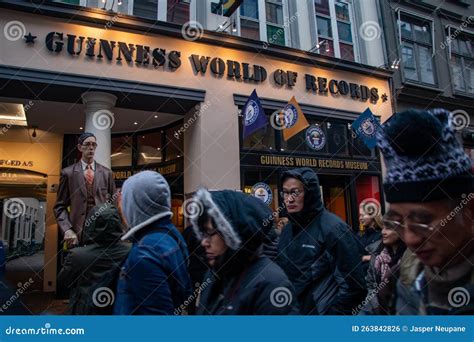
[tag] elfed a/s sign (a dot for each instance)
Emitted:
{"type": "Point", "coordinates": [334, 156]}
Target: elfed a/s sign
{"type": "Point", "coordinates": [157, 58]}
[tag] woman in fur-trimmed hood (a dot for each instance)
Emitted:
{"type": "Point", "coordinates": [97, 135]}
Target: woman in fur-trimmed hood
{"type": "Point", "coordinates": [232, 228]}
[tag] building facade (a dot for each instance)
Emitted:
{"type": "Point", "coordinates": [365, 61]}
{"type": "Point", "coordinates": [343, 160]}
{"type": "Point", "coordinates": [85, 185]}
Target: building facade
{"type": "Point", "coordinates": [162, 88]}
{"type": "Point", "coordinates": [431, 46]}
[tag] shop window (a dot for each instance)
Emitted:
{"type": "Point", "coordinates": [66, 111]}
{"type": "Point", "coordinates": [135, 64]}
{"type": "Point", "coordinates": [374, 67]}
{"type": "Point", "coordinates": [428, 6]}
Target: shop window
{"type": "Point", "coordinates": [174, 144]}
{"type": "Point", "coordinates": [178, 11]}
{"type": "Point", "coordinates": [334, 24]}
{"type": "Point", "coordinates": [359, 148]}
{"type": "Point", "coordinates": [462, 62]}
{"type": "Point", "coordinates": [262, 139]}
{"type": "Point", "coordinates": [121, 151]}
{"type": "Point", "coordinates": [417, 48]}
{"type": "Point", "coordinates": [313, 139]}
{"type": "Point", "coordinates": [337, 138]}
{"type": "Point", "coordinates": [270, 177]}
{"type": "Point", "coordinates": [149, 148]}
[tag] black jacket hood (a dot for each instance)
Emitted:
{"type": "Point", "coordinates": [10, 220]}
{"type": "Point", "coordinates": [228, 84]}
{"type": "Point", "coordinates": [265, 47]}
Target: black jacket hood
{"type": "Point", "coordinates": [313, 204]}
{"type": "Point", "coordinates": [241, 220]}
{"type": "Point", "coordinates": [103, 225]}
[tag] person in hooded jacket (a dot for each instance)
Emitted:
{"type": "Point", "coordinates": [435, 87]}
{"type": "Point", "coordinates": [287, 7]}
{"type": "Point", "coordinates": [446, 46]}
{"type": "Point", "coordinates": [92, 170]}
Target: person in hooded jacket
{"type": "Point", "coordinates": [154, 279]}
{"type": "Point", "coordinates": [318, 251]}
{"type": "Point", "coordinates": [91, 270]}
{"type": "Point", "coordinates": [242, 280]}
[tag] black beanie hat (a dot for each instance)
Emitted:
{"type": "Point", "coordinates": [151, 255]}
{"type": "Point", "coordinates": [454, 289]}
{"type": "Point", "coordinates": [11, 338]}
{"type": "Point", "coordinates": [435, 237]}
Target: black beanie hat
{"type": "Point", "coordinates": [425, 162]}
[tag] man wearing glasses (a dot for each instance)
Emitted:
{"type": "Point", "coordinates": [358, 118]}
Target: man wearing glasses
{"type": "Point", "coordinates": [429, 186]}
{"type": "Point", "coordinates": [81, 187]}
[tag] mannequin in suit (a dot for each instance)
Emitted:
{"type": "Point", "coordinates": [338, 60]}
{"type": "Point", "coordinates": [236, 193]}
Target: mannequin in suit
{"type": "Point", "coordinates": [82, 186]}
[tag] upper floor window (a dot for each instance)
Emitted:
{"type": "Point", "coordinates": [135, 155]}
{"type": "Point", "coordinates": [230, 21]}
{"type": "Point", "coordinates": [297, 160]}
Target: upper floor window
{"type": "Point", "coordinates": [462, 61]}
{"type": "Point", "coordinates": [249, 20]}
{"type": "Point", "coordinates": [334, 25]}
{"type": "Point", "coordinates": [417, 49]}
{"type": "Point", "coordinates": [173, 11]}
{"type": "Point", "coordinates": [264, 20]}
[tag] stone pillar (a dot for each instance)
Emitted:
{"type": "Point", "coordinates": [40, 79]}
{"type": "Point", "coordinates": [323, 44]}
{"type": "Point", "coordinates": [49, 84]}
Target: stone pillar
{"type": "Point", "coordinates": [99, 121]}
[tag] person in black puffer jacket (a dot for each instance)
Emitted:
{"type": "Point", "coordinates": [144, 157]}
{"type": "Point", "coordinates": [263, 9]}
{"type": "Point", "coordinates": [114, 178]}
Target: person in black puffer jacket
{"type": "Point", "coordinates": [318, 251]}
{"type": "Point", "coordinates": [241, 281]}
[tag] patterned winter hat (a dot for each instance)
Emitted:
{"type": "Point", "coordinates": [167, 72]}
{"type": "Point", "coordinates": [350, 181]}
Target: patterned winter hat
{"type": "Point", "coordinates": [425, 161]}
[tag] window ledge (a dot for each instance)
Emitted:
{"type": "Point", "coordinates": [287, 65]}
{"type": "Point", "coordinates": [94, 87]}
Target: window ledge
{"type": "Point", "coordinates": [425, 86]}
{"type": "Point", "coordinates": [463, 94]}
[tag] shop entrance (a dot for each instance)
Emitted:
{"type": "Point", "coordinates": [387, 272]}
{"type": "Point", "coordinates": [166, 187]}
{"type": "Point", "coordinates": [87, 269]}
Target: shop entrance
{"type": "Point", "coordinates": [23, 203]}
{"type": "Point", "coordinates": [335, 190]}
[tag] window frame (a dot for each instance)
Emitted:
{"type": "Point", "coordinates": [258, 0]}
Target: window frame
{"type": "Point", "coordinates": [415, 45]}
{"type": "Point", "coordinates": [462, 57]}
{"type": "Point", "coordinates": [334, 28]}
{"type": "Point", "coordinates": [263, 22]}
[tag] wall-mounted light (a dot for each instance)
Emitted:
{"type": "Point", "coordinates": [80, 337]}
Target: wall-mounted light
{"type": "Point", "coordinates": [395, 64]}
{"type": "Point", "coordinates": [320, 44]}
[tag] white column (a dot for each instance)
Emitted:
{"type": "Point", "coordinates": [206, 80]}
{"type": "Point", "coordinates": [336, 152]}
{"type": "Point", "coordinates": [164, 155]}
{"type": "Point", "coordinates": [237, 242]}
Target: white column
{"type": "Point", "coordinates": [99, 121]}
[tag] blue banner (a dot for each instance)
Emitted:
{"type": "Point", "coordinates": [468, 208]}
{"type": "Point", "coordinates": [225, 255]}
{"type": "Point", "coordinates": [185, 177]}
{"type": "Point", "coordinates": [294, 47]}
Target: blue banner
{"type": "Point", "coordinates": [253, 115]}
{"type": "Point", "coordinates": [365, 127]}
{"type": "Point", "coordinates": [232, 328]}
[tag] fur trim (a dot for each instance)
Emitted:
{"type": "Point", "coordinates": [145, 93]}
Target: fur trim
{"type": "Point", "coordinates": [152, 219]}
{"type": "Point", "coordinates": [205, 203]}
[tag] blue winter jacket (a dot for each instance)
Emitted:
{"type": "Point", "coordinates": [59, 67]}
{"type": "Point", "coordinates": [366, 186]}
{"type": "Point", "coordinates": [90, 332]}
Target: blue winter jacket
{"type": "Point", "coordinates": [154, 279]}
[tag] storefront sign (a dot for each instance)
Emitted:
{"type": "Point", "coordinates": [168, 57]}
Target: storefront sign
{"type": "Point", "coordinates": [164, 170]}
{"type": "Point", "coordinates": [263, 192]}
{"type": "Point", "coordinates": [157, 58]}
{"type": "Point", "coordinates": [18, 163]}
{"type": "Point", "coordinates": [253, 159]}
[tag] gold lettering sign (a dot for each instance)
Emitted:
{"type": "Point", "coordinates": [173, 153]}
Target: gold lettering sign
{"type": "Point", "coordinates": [313, 162]}
{"type": "Point", "coordinates": [164, 170]}
{"type": "Point", "coordinates": [18, 163]}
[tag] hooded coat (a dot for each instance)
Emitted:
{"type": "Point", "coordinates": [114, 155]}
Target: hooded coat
{"type": "Point", "coordinates": [320, 254]}
{"type": "Point", "coordinates": [243, 281]}
{"type": "Point", "coordinates": [154, 279]}
{"type": "Point", "coordinates": [97, 264]}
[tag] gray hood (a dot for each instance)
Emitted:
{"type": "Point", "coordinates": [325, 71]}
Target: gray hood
{"type": "Point", "coordinates": [146, 198]}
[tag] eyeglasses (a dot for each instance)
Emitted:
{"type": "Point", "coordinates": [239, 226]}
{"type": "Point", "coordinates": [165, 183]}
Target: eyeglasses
{"type": "Point", "coordinates": [420, 229]}
{"type": "Point", "coordinates": [90, 144]}
{"type": "Point", "coordinates": [208, 234]}
{"type": "Point", "coordinates": [295, 193]}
